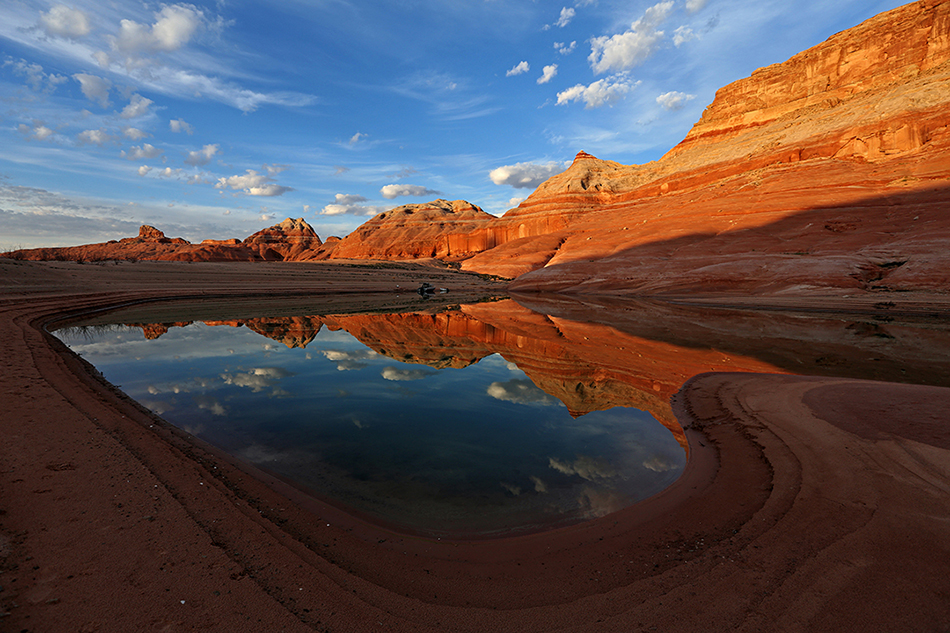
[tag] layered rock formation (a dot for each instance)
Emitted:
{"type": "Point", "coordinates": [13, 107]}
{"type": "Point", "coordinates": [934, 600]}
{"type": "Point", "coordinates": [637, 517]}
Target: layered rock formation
{"type": "Point", "coordinates": [828, 171]}
{"type": "Point", "coordinates": [285, 241]}
{"type": "Point", "coordinates": [436, 229]}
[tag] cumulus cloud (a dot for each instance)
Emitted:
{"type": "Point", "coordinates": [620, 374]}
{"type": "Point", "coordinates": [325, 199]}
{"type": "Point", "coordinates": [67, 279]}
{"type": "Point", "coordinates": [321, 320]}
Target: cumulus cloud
{"type": "Point", "coordinates": [567, 14]}
{"type": "Point", "coordinates": [257, 379]}
{"type": "Point", "coordinates": [519, 69]}
{"type": "Point", "coordinates": [394, 191]}
{"type": "Point", "coordinates": [96, 89]}
{"type": "Point", "coordinates": [63, 21]}
{"type": "Point", "coordinates": [253, 183]}
{"type": "Point", "coordinates": [348, 198]}
{"type": "Point", "coordinates": [179, 125]}
{"type": "Point", "coordinates": [682, 35]}
{"type": "Point", "coordinates": [38, 131]}
{"type": "Point", "coordinates": [168, 172]}
{"type": "Point", "coordinates": [352, 209]}
{"type": "Point", "coordinates": [94, 137]}
{"type": "Point", "coordinates": [565, 49]}
{"type": "Point", "coordinates": [202, 156]}
{"type": "Point", "coordinates": [585, 467]}
{"type": "Point", "coordinates": [211, 405]}
{"type": "Point", "coordinates": [632, 47]}
{"type": "Point", "coordinates": [660, 464]}
{"type": "Point", "coordinates": [525, 175]}
{"type": "Point", "coordinates": [547, 73]}
{"type": "Point", "coordinates": [138, 107]}
{"type": "Point", "coordinates": [36, 77]}
{"type": "Point", "coordinates": [174, 27]}
{"type": "Point", "coordinates": [601, 92]}
{"type": "Point", "coordinates": [144, 169]}
{"type": "Point", "coordinates": [134, 134]}
{"type": "Point", "coordinates": [674, 100]}
{"type": "Point", "coordinates": [349, 204]}
{"type": "Point", "coordinates": [146, 152]}
{"type": "Point", "coordinates": [514, 202]}
{"type": "Point", "coordinates": [346, 361]}
{"type": "Point", "coordinates": [397, 374]}
{"type": "Point", "coordinates": [520, 391]}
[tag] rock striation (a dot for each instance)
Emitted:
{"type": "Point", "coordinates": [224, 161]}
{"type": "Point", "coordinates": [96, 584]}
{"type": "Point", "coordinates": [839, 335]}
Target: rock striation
{"type": "Point", "coordinates": [439, 229]}
{"type": "Point", "coordinates": [828, 171]}
{"type": "Point", "coordinates": [285, 241]}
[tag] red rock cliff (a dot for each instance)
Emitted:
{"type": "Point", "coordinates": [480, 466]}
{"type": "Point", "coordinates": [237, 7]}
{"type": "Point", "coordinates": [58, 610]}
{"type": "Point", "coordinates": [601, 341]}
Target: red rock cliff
{"type": "Point", "coordinates": [828, 170]}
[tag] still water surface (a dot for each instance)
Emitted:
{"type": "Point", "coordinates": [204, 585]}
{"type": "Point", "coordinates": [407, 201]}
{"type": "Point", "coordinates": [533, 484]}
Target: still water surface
{"type": "Point", "coordinates": [469, 447]}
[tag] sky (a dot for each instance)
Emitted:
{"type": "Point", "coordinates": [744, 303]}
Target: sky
{"type": "Point", "coordinates": [217, 119]}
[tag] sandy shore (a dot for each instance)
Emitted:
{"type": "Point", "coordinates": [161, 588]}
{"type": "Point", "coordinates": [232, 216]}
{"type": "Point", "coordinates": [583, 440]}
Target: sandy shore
{"type": "Point", "coordinates": [809, 504]}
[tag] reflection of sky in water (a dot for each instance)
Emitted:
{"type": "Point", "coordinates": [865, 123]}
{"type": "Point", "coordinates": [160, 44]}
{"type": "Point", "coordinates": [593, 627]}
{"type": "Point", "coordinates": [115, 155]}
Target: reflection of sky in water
{"type": "Point", "coordinates": [451, 451]}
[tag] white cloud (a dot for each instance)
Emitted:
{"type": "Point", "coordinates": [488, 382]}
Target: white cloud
{"type": "Point", "coordinates": [35, 76]}
{"type": "Point", "coordinates": [63, 21]}
{"type": "Point", "coordinates": [351, 198]}
{"type": "Point", "coordinates": [674, 100]}
{"type": "Point", "coordinates": [173, 28]}
{"type": "Point", "coordinates": [146, 152]}
{"type": "Point", "coordinates": [275, 169]}
{"type": "Point", "coordinates": [94, 137]}
{"type": "Point", "coordinates": [253, 183]}
{"type": "Point", "coordinates": [179, 125]}
{"type": "Point", "coordinates": [520, 391]}
{"type": "Point", "coordinates": [695, 5]}
{"type": "Point", "coordinates": [144, 169]}
{"type": "Point", "coordinates": [565, 49]}
{"type": "Point", "coordinates": [202, 156]}
{"type": "Point", "coordinates": [601, 92]}
{"type": "Point", "coordinates": [567, 14]}
{"type": "Point", "coordinates": [682, 35]}
{"type": "Point", "coordinates": [586, 467]}
{"type": "Point", "coordinates": [257, 379]}
{"type": "Point", "coordinates": [96, 89]}
{"type": "Point", "coordinates": [547, 73]}
{"type": "Point", "coordinates": [394, 191]}
{"type": "Point", "coordinates": [138, 107]}
{"type": "Point", "coordinates": [514, 202]}
{"type": "Point", "coordinates": [134, 134]}
{"type": "Point", "coordinates": [352, 209]}
{"type": "Point", "coordinates": [397, 374]}
{"type": "Point", "coordinates": [357, 137]}
{"type": "Point", "coordinates": [39, 131]}
{"type": "Point", "coordinates": [660, 464]}
{"type": "Point", "coordinates": [347, 361]}
{"type": "Point", "coordinates": [632, 47]}
{"type": "Point", "coordinates": [519, 69]}
{"type": "Point", "coordinates": [168, 172]}
{"type": "Point", "coordinates": [525, 175]}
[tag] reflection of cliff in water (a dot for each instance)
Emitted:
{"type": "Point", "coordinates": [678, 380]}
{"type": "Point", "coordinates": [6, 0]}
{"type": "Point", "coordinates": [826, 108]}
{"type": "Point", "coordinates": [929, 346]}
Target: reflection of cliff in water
{"type": "Point", "coordinates": [596, 354]}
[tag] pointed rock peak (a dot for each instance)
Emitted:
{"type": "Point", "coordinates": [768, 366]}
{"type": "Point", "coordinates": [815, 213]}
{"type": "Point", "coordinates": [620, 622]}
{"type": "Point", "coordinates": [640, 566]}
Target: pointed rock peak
{"type": "Point", "coordinates": [295, 225]}
{"type": "Point", "coordinates": [147, 232]}
{"type": "Point", "coordinates": [582, 155]}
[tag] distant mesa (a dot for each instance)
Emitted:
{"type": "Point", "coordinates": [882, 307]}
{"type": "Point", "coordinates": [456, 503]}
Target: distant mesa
{"type": "Point", "coordinates": [827, 172]}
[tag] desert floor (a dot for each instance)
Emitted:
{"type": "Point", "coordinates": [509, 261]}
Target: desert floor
{"type": "Point", "coordinates": [808, 504]}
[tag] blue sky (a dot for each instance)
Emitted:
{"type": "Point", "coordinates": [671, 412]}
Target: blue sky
{"type": "Point", "coordinates": [217, 119]}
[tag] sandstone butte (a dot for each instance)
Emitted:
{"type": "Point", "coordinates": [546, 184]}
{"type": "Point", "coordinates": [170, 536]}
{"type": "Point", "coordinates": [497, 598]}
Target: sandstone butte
{"type": "Point", "coordinates": [828, 172]}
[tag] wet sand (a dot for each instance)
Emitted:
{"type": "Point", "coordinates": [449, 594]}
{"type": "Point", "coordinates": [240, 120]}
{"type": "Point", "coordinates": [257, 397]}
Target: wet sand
{"type": "Point", "coordinates": [808, 504]}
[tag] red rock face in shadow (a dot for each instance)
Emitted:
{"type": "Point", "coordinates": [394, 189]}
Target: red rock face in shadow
{"type": "Point", "coordinates": [786, 183]}
{"type": "Point", "coordinates": [435, 229]}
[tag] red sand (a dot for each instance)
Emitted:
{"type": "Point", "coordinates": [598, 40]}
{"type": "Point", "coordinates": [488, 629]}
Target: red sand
{"type": "Point", "coordinates": [809, 504]}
